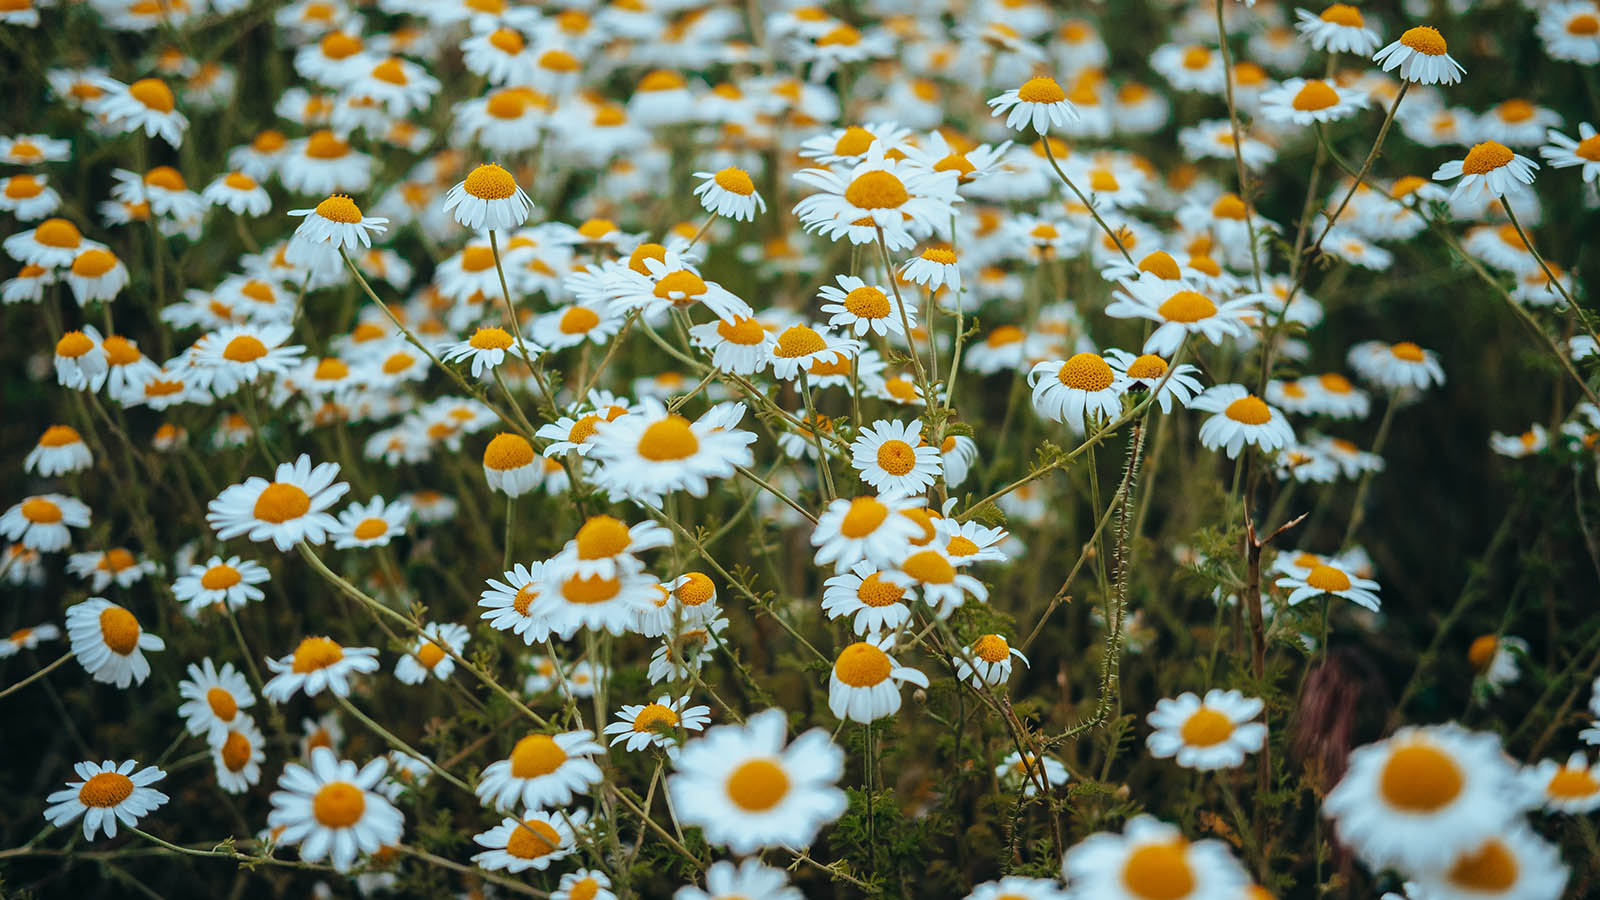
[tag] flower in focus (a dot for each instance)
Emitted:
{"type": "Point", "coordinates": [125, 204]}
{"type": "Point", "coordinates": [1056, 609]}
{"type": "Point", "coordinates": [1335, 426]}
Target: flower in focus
{"type": "Point", "coordinates": [109, 642]}
{"type": "Point", "coordinates": [109, 792]}
{"type": "Point", "coordinates": [1488, 168]}
{"type": "Point", "coordinates": [1214, 733]}
{"type": "Point", "coordinates": [317, 664]}
{"type": "Point", "coordinates": [542, 771]}
{"type": "Point", "coordinates": [333, 811]}
{"type": "Point", "coordinates": [1422, 57]}
{"type": "Point", "coordinates": [289, 509]}
{"type": "Point", "coordinates": [489, 199]}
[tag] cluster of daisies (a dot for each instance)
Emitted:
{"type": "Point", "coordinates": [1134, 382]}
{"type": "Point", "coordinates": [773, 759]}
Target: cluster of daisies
{"type": "Point", "coordinates": [958, 219]}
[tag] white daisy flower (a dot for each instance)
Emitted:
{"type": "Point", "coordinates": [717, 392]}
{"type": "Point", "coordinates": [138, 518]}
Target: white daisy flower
{"type": "Point", "coordinates": [1489, 168]}
{"type": "Point", "coordinates": [729, 192]}
{"type": "Point", "coordinates": [1570, 787]}
{"type": "Point", "coordinates": [109, 642]}
{"type": "Point", "coordinates": [509, 604]}
{"type": "Point", "coordinates": [427, 656]}
{"type": "Point", "coordinates": [1039, 103]}
{"type": "Point", "coordinates": [40, 522]}
{"type": "Point", "coordinates": [873, 603]}
{"type": "Point", "coordinates": [900, 199]}
{"type": "Point", "coordinates": [510, 466]}
{"type": "Point", "coordinates": [604, 545]}
{"type": "Point", "coordinates": [53, 243]}
{"type": "Point", "coordinates": [333, 811]}
{"type": "Point", "coordinates": [1072, 390]}
{"type": "Point", "coordinates": [1025, 771]}
{"type": "Point", "coordinates": [27, 638]}
{"type": "Point", "coordinates": [214, 698]}
{"type": "Point", "coordinates": [1240, 418]}
{"type": "Point", "coordinates": [60, 450]}
{"type": "Point", "coordinates": [373, 524]}
{"type": "Point", "coordinates": [651, 452]}
{"type": "Point", "coordinates": [336, 224]}
{"type": "Point", "coordinates": [237, 752]}
{"type": "Point", "coordinates": [870, 529]}
{"type": "Point", "coordinates": [747, 790]}
{"type": "Point", "coordinates": [1214, 733]}
{"type": "Point", "coordinates": [1517, 446]}
{"type": "Point", "coordinates": [533, 841]}
{"type": "Point", "coordinates": [237, 355]}
{"type": "Point", "coordinates": [239, 193]}
{"type": "Point", "coordinates": [936, 267]}
{"type": "Point", "coordinates": [96, 275]}
{"type": "Point", "coordinates": [740, 346]}
{"type": "Point", "coordinates": [1180, 310]}
{"type": "Point", "coordinates": [1151, 859]}
{"type": "Point", "coordinates": [893, 459]}
{"type": "Point", "coordinates": [542, 771]}
{"type": "Point", "coordinates": [28, 197]}
{"type": "Point", "coordinates": [657, 724]}
{"type": "Point", "coordinates": [865, 684]}
{"type": "Point", "coordinates": [289, 509]}
{"type": "Point", "coordinates": [80, 359]}
{"type": "Point", "coordinates": [1421, 797]}
{"type": "Point", "coordinates": [1305, 102]}
{"type": "Point", "coordinates": [1144, 373]}
{"type": "Point", "coordinates": [489, 198]}
{"type": "Point", "coordinates": [861, 308]}
{"type": "Point", "coordinates": [1570, 31]}
{"type": "Point", "coordinates": [750, 880]}
{"type": "Point", "coordinates": [1563, 152]}
{"type": "Point", "coordinates": [1339, 29]}
{"type": "Point", "coordinates": [987, 661]}
{"type": "Point", "coordinates": [958, 453]}
{"type": "Point", "coordinates": [146, 104]}
{"type": "Point", "coordinates": [116, 566]}
{"type": "Point", "coordinates": [610, 603]}
{"type": "Point", "coordinates": [109, 792]}
{"type": "Point", "coordinates": [944, 587]}
{"type": "Point", "coordinates": [1396, 366]}
{"type": "Point", "coordinates": [317, 663]}
{"type": "Point", "coordinates": [1422, 56]}
{"type": "Point", "coordinates": [584, 884]}
{"type": "Point", "coordinates": [1516, 863]}
{"type": "Point", "coordinates": [232, 581]}
{"type": "Point", "coordinates": [799, 347]}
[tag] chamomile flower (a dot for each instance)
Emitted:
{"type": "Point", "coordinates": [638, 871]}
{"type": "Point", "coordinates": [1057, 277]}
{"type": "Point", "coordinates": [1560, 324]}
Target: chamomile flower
{"type": "Point", "coordinates": [1513, 864]}
{"type": "Point", "coordinates": [373, 524]}
{"type": "Point", "coordinates": [799, 347]}
{"type": "Point", "coordinates": [943, 586]}
{"type": "Point", "coordinates": [232, 581]}
{"type": "Point", "coordinates": [865, 684]}
{"type": "Point", "coordinates": [892, 457]}
{"type": "Point", "coordinates": [730, 193]}
{"type": "Point", "coordinates": [427, 656]}
{"type": "Point", "coordinates": [1421, 797]}
{"type": "Point", "coordinates": [1338, 29]}
{"type": "Point", "coordinates": [871, 529]}
{"type": "Point", "coordinates": [110, 643]}
{"type": "Point", "coordinates": [604, 545]}
{"type": "Point", "coordinates": [1017, 887]}
{"type": "Point", "coordinates": [40, 522]}
{"type": "Point", "coordinates": [1151, 860]}
{"type": "Point", "coordinates": [1305, 102]}
{"type": "Point", "coordinates": [935, 267]}
{"type": "Point", "coordinates": [333, 811]}
{"type": "Point", "coordinates": [1516, 446]}
{"type": "Point", "coordinates": [1570, 31]}
{"type": "Point", "coordinates": [317, 664]}
{"type": "Point", "coordinates": [510, 465]}
{"type": "Point", "coordinates": [1563, 152]}
{"type": "Point", "coordinates": [861, 308]}
{"type": "Point", "coordinates": [28, 197]}
{"type": "Point", "coordinates": [1027, 771]}
{"type": "Point", "coordinates": [569, 601]}
{"type": "Point", "coordinates": [1075, 389]}
{"type": "Point", "coordinates": [239, 193]}
{"type": "Point", "coordinates": [1396, 366]}
{"type": "Point", "coordinates": [1039, 103]}
{"type": "Point", "coordinates": [145, 105]}
{"type": "Point", "coordinates": [214, 699]}
{"type": "Point", "coordinates": [739, 346]}
{"type": "Point", "coordinates": [878, 195]}
{"type": "Point", "coordinates": [987, 661]}
{"type": "Point", "coordinates": [1569, 787]}
{"type": "Point", "coordinates": [1422, 56]}
{"type": "Point", "coordinates": [1148, 372]}
{"type": "Point", "coordinates": [532, 841]}
{"type": "Point", "coordinates": [109, 792]}
{"type": "Point", "coordinates": [114, 566]}
{"type": "Point", "coordinates": [96, 275]}
{"type": "Point", "coordinates": [1214, 733]}
{"type": "Point", "coordinates": [60, 450]}
{"type": "Point", "coordinates": [237, 752]}
{"type": "Point", "coordinates": [1489, 168]}
{"type": "Point", "coordinates": [542, 771]}
{"type": "Point", "coordinates": [957, 453]}
{"type": "Point", "coordinates": [489, 198]}
{"type": "Point", "coordinates": [289, 509]}
{"type": "Point", "coordinates": [750, 880]}
{"type": "Point", "coordinates": [53, 243]}
{"type": "Point", "coordinates": [336, 224]}
{"type": "Point", "coordinates": [747, 790]}
{"type": "Point", "coordinates": [509, 604]}
{"type": "Point", "coordinates": [584, 884]}
{"type": "Point", "coordinates": [651, 452]}
{"type": "Point", "coordinates": [657, 724]}
{"type": "Point", "coordinates": [873, 603]}
{"type": "Point", "coordinates": [1240, 418]}
{"type": "Point", "coordinates": [1332, 579]}
{"type": "Point", "coordinates": [27, 638]}
{"type": "Point", "coordinates": [1180, 310]}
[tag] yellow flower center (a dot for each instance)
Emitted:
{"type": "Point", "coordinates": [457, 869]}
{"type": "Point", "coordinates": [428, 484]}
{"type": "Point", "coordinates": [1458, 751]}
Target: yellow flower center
{"type": "Point", "coordinates": [536, 755]}
{"type": "Point", "coordinates": [40, 511]}
{"type": "Point", "coordinates": [854, 142]}
{"type": "Point", "coordinates": [1571, 783]}
{"type": "Point", "coordinates": [1425, 40]}
{"type": "Point", "coordinates": [695, 590]}
{"type": "Point", "coordinates": [1481, 652]}
{"type": "Point", "coordinates": [105, 790]}
{"type": "Point", "coordinates": [991, 648]}
{"type": "Point", "coordinates": [429, 654]}
{"type": "Point", "coordinates": [1314, 96]}
{"type": "Point", "coordinates": [876, 189]}
{"type": "Point", "coordinates": [370, 529]}
{"type": "Point", "coordinates": [940, 255]}
{"type": "Point", "coordinates": [579, 320]}
{"type": "Point", "coordinates": [1328, 578]}
{"type": "Point", "coordinates": [331, 369]}
{"type": "Point", "coordinates": [1206, 728]}
{"type": "Point", "coordinates": [507, 41]}
{"type": "Point", "coordinates": [1085, 372]}
{"type": "Point", "coordinates": [507, 451]}
{"type": "Point", "coordinates": [958, 545]}
{"type": "Point", "coordinates": [1516, 110]}
{"type": "Point", "coordinates": [235, 751]}
{"type": "Point", "coordinates": [1491, 869]}
{"type": "Point", "coordinates": [152, 93]}
{"type": "Point", "coordinates": [115, 560]}
{"type": "Point", "coordinates": [1420, 779]}
{"type": "Point", "coordinates": [1407, 351]}
{"type": "Point", "coordinates": [20, 187]}
{"type": "Point", "coordinates": [532, 840]}
{"type": "Point", "coordinates": [799, 340]}
{"type": "Point", "coordinates": [74, 344]}
{"type": "Point", "coordinates": [324, 145]}
{"type": "Point", "coordinates": [244, 349]}
{"type": "Point", "coordinates": [1159, 871]}
{"type": "Point", "coordinates": [661, 80]}
{"type": "Point", "coordinates": [758, 785]}
{"type": "Point", "coordinates": [220, 577]}
{"type": "Point", "coordinates": [222, 704]}
{"type": "Point", "coordinates": [1148, 367]}
{"type": "Point", "coordinates": [119, 629]}
{"type": "Point", "coordinates": [1485, 157]}
{"type": "Point", "coordinates": [1196, 57]}
{"type": "Point", "coordinates": [602, 537]}
{"type": "Point", "coordinates": [1335, 383]}
{"type": "Point", "coordinates": [338, 804]}
{"type": "Point", "coordinates": [1005, 334]}
{"type": "Point", "coordinates": [680, 286]}
{"type": "Point", "coordinates": [1343, 14]}
{"type": "Point", "coordinates": [1249, 410]}
{"type": "Point", "coordinates": [876, 592]}
{"type": "Point", "coordinates": [867, 302]}
{"type": "Point", "coordinates": [1584, 25]}
{"type": "Point", "coordinates": [1228, 206]}
{"type": "Point", "coordinates": [59, 436]}
{"type": "Point", "coordinates": [57, 233]}
{"type": "Point", "coordinates": [928, 567]}
{"type": "Point", "coordinates": [1187, 307]}
{"type": "Point", "coordinates": [1042, 89]}
{"type": "Point", "coordinates": [340, 208]}
{"type": "Point", "coordinates": [591, 590]}
{"type": "Point", "coordinates": [490, 182]}
{"type": "Point", "coordinates": [120, 351]}
{"type": "Point", "coordinates": [669, 439]}
{"type": "Point", "coordinates": [391, 71]}
{"type": "Point", "coordinates": [397, 363]}
{"type": "Point", "coordinates": [654, 718]}
{"type": "Point", "coordinates": [745, 332]}
{"type": "Point", "coordinates": [862, 665]}
{"type": "Point", "coordinates": [558, 60]}
{"type": "Point", "coordinates": [280, 501]}
{"type": "Point", "coordinates": [955, 162]}
{"type": "Point", "coordinates": [338, 45]}
{"type": "Point", "coordinates": [863, 518]}
{"type": "Point", "coordinates": [490, 339]}
{"type": "Point", "coordinates": [896, 457]}
{"type": "Point", "coordinates": [735, 181]}
{"type": "Point", "coordinates": [316, 653]}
